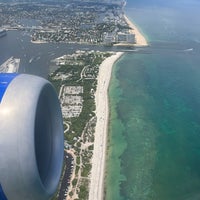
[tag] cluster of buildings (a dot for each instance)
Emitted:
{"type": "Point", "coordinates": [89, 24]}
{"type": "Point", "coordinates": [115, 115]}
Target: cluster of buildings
{"type": "Point", "coordinates": [71, 96]}
{"type": "Point", "coordinates": [71, 101]}
{"type": "Point", "coordinates": [88, 23]}
{"type": "Point", "coordinates": [10, 66]}
{"type": "Point", "coordinates": [119, 37]}
{"type": "Point", "coordinates": [91, 22]}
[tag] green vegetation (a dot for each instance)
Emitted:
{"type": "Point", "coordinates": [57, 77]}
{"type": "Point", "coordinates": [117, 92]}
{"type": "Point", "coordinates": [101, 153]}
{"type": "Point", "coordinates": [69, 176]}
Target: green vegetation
{"type": "Point", "coordinates": [77, 170]}
{"type": "Point", "coordinates": [82, 72]}
{"type": "Point", "coordinates": [78, 160]}
{"type": "Point", "coordinates": [84, 194]}
{"type": "Point", "coordinates": [86, 170]}
{"type": "Point", "coordinates": [74, 182]}
{"type": "Point", "coordinates": [91, 147]}
{"type": "Point", "coordinates": [79, 70]}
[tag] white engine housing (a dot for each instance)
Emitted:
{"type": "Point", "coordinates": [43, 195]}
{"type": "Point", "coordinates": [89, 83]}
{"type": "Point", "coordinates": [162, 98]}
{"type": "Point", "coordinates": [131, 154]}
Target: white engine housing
{"type": "Point", "coordinates": [31, 138]}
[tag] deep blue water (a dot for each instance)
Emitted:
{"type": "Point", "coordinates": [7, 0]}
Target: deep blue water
{"type": "Point", "coordinates": [154, 132]}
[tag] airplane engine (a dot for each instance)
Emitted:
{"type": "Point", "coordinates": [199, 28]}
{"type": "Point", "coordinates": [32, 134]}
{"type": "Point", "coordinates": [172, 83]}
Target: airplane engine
{"type": "Point", "coordinates": [31, 137]}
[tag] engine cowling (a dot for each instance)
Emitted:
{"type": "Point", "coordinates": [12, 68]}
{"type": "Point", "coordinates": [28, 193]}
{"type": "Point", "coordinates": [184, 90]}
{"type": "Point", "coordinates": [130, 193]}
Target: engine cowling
{"type": "Point", "coordinates": [31, 137]}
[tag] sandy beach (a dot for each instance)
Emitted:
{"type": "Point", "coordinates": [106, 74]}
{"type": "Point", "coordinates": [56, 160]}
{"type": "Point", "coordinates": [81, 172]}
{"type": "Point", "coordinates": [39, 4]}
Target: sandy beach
{"type": "Point", "coordinates": [139, 38]}
{"type": "Point", "coordinates": [102, 113]}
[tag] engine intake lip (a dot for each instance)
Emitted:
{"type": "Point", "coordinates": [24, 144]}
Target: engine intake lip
{"type": "Point", "coordinates": [31, 139]}
{"type": "Point", "coordinates": [47, 136]}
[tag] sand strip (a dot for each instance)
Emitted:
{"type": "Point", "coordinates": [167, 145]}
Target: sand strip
{"type": "Point", "coordinates": [102, 113]}
{"type": "Point", "coordinates": [140, 39]}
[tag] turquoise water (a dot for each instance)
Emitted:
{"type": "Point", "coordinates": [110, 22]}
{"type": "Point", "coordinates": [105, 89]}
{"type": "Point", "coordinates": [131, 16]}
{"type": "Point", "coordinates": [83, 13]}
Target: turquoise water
{"type": "Point", "coordinates": [154, 132]}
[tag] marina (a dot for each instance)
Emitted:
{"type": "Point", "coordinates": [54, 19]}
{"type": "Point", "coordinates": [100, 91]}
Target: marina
{"type": "Point", "coordinates": [10, 66]}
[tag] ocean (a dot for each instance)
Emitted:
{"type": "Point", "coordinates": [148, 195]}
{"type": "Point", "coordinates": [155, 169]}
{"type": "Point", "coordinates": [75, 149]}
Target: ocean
{"type": "Point", "coordinates": [154, 128]}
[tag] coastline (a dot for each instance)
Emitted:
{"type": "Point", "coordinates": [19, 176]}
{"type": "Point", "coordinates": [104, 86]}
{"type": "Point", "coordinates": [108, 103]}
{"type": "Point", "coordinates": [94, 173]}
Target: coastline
{"type": "Point", "coordinates": [140, 40]}
{"type": "Point", "coordinates": [96, 189]}
{"type": "Point", "coordinates": [102, 113]}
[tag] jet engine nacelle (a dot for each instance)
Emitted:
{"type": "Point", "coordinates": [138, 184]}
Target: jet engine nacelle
{"type": "Point", "coordinates": [31, 137]}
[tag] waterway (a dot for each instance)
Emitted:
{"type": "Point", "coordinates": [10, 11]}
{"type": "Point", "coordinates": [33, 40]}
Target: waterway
{"type": "Point", "coordinates": [36, 58]}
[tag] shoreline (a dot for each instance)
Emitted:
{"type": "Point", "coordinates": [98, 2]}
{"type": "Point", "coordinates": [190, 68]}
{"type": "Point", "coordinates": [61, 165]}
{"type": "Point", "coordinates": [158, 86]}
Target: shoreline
{"type": "Point", "coordinates": [139, 38]}
{"type": "Point", "coordinates": [96, 187]}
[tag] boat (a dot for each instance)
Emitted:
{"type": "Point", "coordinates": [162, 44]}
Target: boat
{"type": "Point", "coordinates": [31, 60]}
{"type": "Point", "coordinates": [186, 50]}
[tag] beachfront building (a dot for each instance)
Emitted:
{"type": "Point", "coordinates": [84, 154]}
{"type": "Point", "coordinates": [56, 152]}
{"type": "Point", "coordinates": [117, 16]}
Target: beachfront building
{"type": "Point", "coordinates": [125, 38]}
{"type": "Point", "coordinates": [109, 38]}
